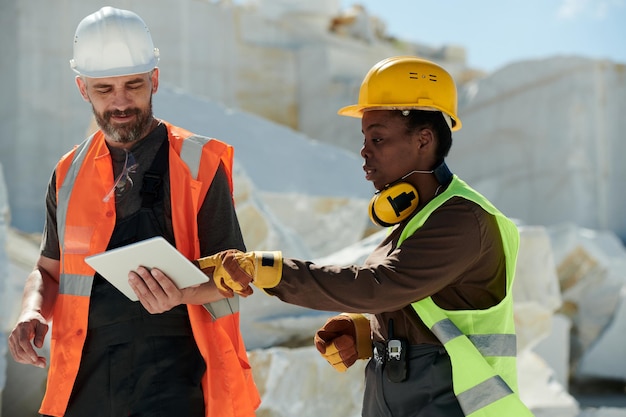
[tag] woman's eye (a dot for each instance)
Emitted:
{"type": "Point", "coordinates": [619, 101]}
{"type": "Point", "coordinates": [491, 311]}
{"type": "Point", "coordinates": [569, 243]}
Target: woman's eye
{"type": "Point", "coordinates": [372, 140]}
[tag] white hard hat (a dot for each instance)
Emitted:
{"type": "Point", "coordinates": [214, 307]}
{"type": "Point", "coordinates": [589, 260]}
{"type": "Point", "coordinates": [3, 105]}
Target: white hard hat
{"type": "Point", "coordinates": [113, 42]}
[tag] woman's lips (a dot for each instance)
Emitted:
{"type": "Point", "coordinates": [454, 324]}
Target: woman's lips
{"type": "Point", "coordinates": [368, 172]}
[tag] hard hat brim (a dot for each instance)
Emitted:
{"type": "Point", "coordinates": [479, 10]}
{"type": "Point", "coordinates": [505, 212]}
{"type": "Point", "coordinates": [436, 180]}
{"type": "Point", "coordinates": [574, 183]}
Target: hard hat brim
{"type": "Point", "coordinates": [115, 72]}
{"type": "Point", "coordinates": [351, 111]}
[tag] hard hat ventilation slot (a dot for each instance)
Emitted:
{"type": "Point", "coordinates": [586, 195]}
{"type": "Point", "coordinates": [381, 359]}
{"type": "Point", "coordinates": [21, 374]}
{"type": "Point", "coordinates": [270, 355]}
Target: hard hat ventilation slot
{"type": "Point", "coordinates": [417, 76]}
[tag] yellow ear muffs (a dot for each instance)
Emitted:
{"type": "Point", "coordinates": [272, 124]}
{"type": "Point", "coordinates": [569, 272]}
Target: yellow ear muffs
{"type": "Point", "coordinates": [393, 204]}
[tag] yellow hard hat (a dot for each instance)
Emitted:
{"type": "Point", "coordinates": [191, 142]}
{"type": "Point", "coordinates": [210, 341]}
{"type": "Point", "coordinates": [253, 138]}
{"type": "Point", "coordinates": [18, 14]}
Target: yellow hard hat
{"type": "Point", "coordinates": [407, 83]}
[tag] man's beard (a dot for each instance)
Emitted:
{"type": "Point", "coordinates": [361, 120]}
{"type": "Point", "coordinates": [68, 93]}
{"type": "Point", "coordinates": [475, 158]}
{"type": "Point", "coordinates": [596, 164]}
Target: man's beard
{"type": "Point", "coordinates": [126, 132]}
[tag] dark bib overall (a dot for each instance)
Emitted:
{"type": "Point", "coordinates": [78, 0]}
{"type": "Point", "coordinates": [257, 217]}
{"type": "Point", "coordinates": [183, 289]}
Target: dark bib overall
{"type": "Point", "coordinates": [135, 363]}
{"type": "Point", "coordinates": [426, 392]}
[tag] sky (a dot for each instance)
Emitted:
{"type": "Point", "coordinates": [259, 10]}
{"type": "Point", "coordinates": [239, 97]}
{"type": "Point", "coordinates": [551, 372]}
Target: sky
{"type": "Point", "coordinates": [495, 33]}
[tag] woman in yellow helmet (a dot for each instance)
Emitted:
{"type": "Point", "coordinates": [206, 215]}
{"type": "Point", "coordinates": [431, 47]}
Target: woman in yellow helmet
{"type": "Point", "coordinates": [440, 330]}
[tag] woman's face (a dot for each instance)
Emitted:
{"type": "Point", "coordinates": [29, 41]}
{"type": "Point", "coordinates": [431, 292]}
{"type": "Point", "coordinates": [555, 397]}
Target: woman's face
{"type": "Point", "coordinates": [389, 150]}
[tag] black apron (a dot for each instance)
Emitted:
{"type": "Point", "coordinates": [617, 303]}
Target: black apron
{"type": "Point", "coordinates": [135, 363]}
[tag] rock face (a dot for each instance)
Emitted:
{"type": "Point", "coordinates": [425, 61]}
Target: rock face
{"type": "Point", "coordinates": [551, 129]}
{"type": "Point", "coordinates": [592, 273]}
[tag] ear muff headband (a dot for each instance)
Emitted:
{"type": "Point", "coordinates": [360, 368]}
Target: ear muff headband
{"type": "Point", "coordinates": [393, 204]}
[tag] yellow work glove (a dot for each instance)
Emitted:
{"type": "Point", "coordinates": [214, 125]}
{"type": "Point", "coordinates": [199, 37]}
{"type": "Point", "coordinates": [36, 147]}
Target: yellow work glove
{"type": "Point", "coordinates": [213, 266]}
{"type": "Point", "coordinates": [235, 270]}
{"type": "Point", "coordinates": [343, 339]}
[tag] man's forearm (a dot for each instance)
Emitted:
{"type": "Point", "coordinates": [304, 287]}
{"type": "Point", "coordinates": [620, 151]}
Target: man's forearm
{"type": "Point", "coordinates": [40, 292]}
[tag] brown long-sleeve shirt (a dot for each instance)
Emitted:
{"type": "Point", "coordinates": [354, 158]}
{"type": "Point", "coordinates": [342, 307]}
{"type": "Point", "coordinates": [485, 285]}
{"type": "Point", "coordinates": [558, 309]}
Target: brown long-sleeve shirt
{"type": "Point", "coordinates": [456, 257]}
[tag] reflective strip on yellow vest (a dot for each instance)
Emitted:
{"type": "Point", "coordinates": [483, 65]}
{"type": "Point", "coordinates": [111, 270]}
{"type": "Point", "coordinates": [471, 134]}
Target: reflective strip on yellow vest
{"type": "Point", "coordinates": [85, 224]}
{"type": "Point", "coordinates": [481, 343]}
{"type": "Point", "coordinates": [486, 344]}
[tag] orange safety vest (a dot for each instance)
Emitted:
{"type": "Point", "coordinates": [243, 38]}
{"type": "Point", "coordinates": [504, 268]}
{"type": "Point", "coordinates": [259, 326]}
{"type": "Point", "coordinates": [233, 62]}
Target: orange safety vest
{"type": "Point", "coordinates": [85, 224]}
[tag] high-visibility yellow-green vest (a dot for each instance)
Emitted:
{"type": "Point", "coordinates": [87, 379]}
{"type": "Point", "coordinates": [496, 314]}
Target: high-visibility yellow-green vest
{"type": "Point", "coordinates": [481, 343]}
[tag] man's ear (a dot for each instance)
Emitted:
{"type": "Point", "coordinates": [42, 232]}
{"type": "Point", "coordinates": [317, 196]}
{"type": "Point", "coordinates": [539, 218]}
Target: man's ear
{"type": "Point", "coordinates": [82, 87]}
{"type": "Point", "coordinates": [155, 80]}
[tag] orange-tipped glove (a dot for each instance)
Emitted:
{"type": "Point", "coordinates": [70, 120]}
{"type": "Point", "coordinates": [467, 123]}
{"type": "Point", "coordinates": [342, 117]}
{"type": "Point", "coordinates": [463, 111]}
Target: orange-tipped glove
{"type": "Point", "coordinates": [343, 339]}
{"type": "Point", "coordinates": [235, 270]}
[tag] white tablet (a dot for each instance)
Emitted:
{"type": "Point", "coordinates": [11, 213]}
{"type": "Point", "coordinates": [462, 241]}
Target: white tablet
{"type": "Point", "coordinates": [114, 265]}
